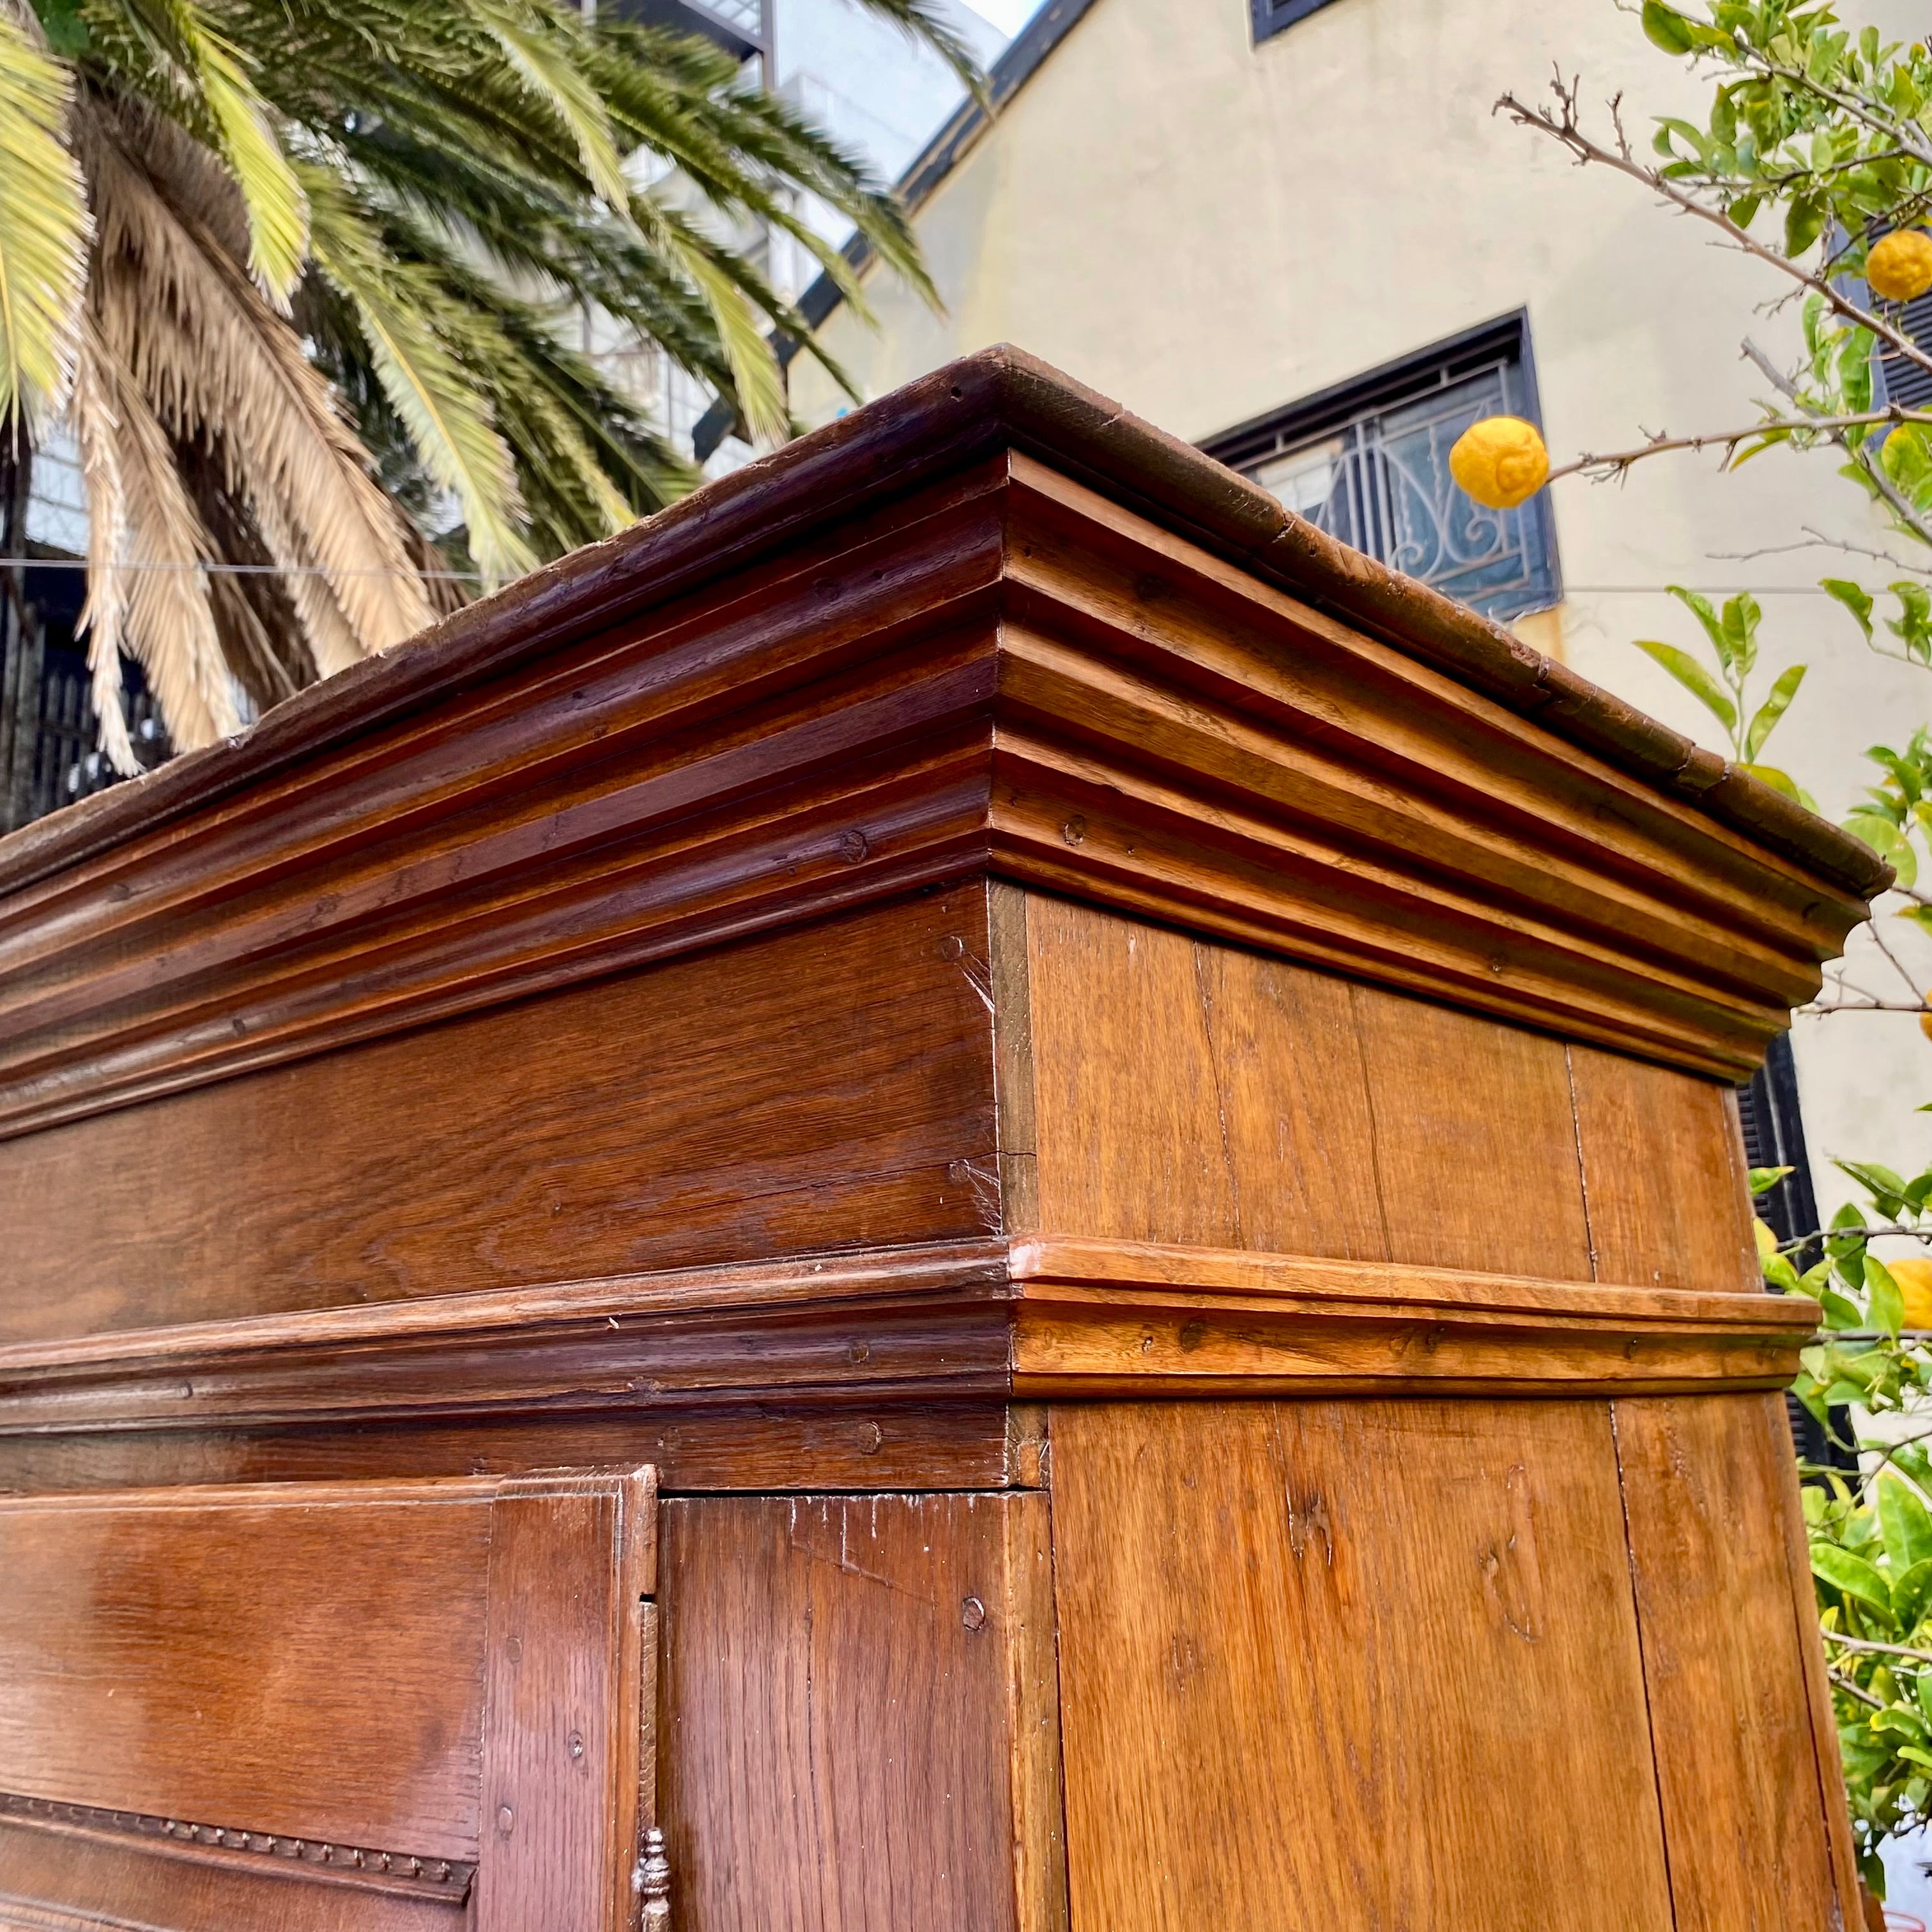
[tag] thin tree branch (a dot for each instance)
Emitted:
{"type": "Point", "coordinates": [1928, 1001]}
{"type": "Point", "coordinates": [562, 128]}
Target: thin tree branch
{"type": "Point", "coordinates": [1565, 128]}
{"type": "Point", "coordinates": [1843, 1683]}
{"type": "Point", "coordinates": [1866, 1643]}
{"type": "Point", "coordinates": [1897, 965]}
{"type": "Point", "coordinates": [1614, 463]}
{"type": "Point", "coordinates": [1854, 1234]}
{"type": "Point", "coordinates": [1817, 539]}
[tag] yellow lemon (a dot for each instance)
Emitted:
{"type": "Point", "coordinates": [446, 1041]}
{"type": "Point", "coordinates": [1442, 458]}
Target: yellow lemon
{"type": "Point", "coordinates": [1925, 1018]}
{"type": "Point", "coordinates": [1900, 265]}
{"type": "Point", "coordinates": [1500, 461]}
{"type": "Point", "coordinates": [1914, 1277]}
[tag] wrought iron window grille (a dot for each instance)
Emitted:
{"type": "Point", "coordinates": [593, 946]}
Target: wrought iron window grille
{"type": "Point", "coordinates": [1368, 461]}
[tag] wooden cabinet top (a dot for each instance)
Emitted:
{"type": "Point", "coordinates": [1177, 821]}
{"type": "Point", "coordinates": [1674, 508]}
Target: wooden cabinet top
{"type": "Point", "coordinates": [991, 624]}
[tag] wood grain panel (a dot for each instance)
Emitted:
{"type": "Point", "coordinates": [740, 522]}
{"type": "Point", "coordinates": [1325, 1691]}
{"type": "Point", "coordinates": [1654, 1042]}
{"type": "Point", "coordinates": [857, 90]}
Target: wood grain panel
{"type": "Point", "coordinates": [764, 1448]}
{"type": "Point", "coordinates": [1669, 1206]}
{"type": "Point", "coordinates": [825, 1087]}
{"type": "Point", "coordinates": [839, 1677]}
{"type": "Point", "coordinates": [1350, 1665]}
{"type": "Point", "coordinates": [561, 1727]}
{"type": "Point", "coordinates": [1190, 1092]}
{"type": "Point", "coordinates": [1725, 1625]}
{"type": "Point", "coordinates": [1475, 1141]}
{"type": "Point", "coordinates": [194, 1656]}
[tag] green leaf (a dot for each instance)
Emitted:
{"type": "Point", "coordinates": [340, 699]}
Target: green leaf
{"type": "Point", "coordinates": [1744, 210]}
{"type": "Point", "coordinates": [1781, 781]}
{"type": "Point", "coordinates": [1763, 1179]}
{"type": "Point", "coordinates": [536, 42]}
{"type": "Point", "coordinates": [1851, 1575]}
{"type": "Point", "coordinates": [43, 230]}
{"type": "Point", "coordinates": [1854, 597]}
{"type": "Point", "coordinates": [1740, 621]}
{"type": "Point", "coordinates": [1911, 1588]}
{"type": "Point", "coordinates": [1695, 679]}
{"type": "Point", "coordinates": [1886, 1188]}
{"type": "Point", "coordinates": [1907, 1524]}
{"type": "Point", "coordinates": [1804, 223]}
{"type": "Point", "coordinates": [1699, 606]}
{"type": "Point", "coordinates": [1885, 1302]}
{"type": "Point", "coordinates": [1666, 27]}
{"type": "Point", "coordinates": [1773, 708]}
{"type": "Point", "coordinates": [1903, 771]}
{"type": "Point", "coordinates": [1840, 1313]}
{"type": "Point", "coordinates": [1887, 841]}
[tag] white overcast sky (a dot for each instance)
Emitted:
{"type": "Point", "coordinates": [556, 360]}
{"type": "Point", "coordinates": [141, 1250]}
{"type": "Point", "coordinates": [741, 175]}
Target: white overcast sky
{"type": "Point", "coordinates": [1009, 15]}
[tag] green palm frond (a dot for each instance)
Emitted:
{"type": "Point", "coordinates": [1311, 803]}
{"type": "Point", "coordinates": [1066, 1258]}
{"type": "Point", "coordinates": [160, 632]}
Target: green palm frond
{"type": "Point", "coordinates": [349, 253]}
{"type": "Point", "coordinates": [209, 67]}
{"type": "Point", "coordinates": [448, 423]}
{"type": "Point", "coordinates": [534, 39]}
{"type": "Point", "coordinates": [44, 228]}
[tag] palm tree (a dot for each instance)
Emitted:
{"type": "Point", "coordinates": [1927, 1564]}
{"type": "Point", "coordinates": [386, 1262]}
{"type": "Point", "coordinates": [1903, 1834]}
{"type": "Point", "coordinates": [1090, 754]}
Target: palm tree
{"type": "Point", "coordinates": [294, 273]}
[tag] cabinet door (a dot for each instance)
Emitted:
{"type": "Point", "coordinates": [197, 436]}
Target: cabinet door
{"type": "Point", "coordinates": [330, 1707]}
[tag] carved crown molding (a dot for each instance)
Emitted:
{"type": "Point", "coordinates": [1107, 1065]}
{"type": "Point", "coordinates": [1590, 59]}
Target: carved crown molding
{"type": "Point", "coordinates": [899, 654]}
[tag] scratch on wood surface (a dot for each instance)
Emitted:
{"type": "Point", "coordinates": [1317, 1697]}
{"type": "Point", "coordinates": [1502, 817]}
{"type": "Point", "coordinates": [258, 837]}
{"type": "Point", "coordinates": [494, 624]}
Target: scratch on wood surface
{"type": "Point", "coordinates": [1512, 1576]}
{"type": "Point", "coordinates": [979, 972]}
{"type": "Point", "coordinates": [1207, 998]}
{"type": "Point", "coordinates": [818, 1548]}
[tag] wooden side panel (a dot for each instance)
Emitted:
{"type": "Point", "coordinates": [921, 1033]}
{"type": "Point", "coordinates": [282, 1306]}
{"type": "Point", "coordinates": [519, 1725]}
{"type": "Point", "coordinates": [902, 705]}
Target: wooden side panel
{"type": "Point", "coordinates": [206, 1660]}
{"type": "Point", "coordinates": [1337, 1666]}
{"type": "Point", "coordinates": [1475, 1141]}
{"type": "Point", "coordinates": [825, 1087]}
{"type": "Point", "coordinates": [1664, 1173]}
{"type": "Point", "coordinates": [1725, 1624]}
{"type": "Point", "coordinates": [1188, 1091]}
{"type": "Point", "coordinates": [839, 1674]}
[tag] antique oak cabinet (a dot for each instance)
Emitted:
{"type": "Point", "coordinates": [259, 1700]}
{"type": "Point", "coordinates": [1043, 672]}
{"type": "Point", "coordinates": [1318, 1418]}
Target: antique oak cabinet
{"type": "Point", "coordinates": [971, 1191]}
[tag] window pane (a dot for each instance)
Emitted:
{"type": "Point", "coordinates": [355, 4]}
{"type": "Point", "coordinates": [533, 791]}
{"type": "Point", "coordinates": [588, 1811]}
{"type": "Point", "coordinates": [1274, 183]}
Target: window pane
{"type": "Point", "coordinates": [1380, 480]}
{"type": "Point", "coordinates": [1319, 482]}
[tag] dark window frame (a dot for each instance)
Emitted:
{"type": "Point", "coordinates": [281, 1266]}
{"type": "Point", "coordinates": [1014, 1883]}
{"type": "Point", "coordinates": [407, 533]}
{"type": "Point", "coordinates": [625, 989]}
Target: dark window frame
{"type": "Point", "coordinates": [1272, 16]}
{"type": "Point", "coordinates": [1773, 1130]}
{"type": "Point", "coordinates": [1409, 379]}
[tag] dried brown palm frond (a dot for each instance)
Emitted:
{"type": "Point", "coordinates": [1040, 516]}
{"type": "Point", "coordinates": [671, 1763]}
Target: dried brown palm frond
{"type": "Point", "coordinates": [166, 620]}
{"type": "Point", "coordinates": [103, 617]}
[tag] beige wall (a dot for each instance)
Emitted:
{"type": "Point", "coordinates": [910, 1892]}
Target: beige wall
{"type": "Point", "coordinates": [1207, 230]}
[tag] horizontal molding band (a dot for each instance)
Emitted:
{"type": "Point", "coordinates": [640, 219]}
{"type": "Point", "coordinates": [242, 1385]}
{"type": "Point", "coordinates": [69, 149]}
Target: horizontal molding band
{"type": "Point", "coordinates": [986, 1321]}
{"type": "Point", "coordinates": [1099, 1318]}
{"type": "Point", "coordinates": [268, 1854]}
